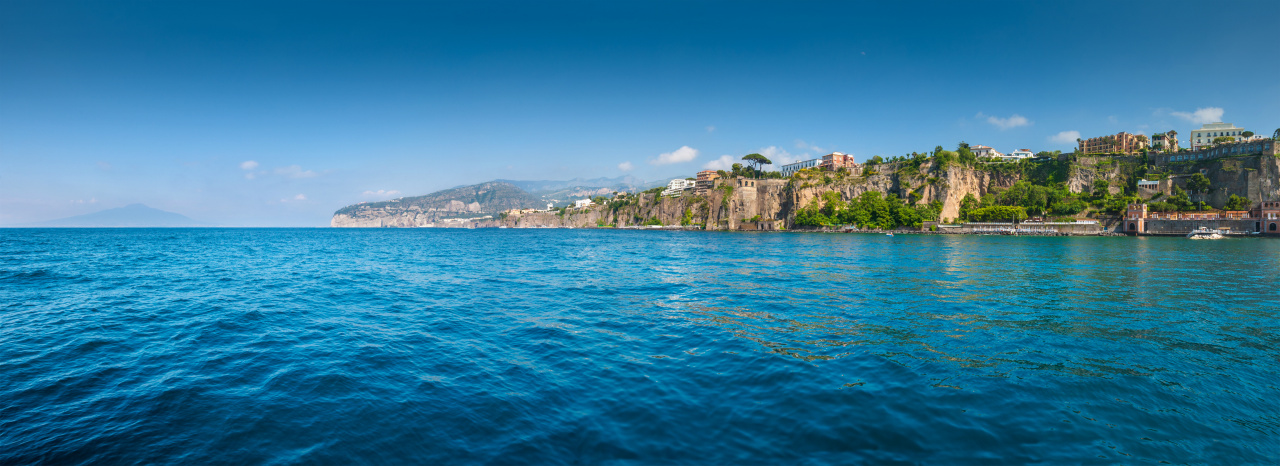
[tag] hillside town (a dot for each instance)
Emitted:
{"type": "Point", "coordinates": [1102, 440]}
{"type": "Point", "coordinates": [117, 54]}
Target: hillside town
{"type": "Point", "coordinates": [1218, 176]}
{"type": "Point", "coordinates": [1159, 202]}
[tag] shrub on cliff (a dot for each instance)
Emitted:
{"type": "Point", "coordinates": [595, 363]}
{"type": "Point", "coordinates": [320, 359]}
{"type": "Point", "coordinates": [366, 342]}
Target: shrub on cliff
{"type": "Point", "coordinates": [998, 213]}
{"type": "Point", "coordinates": [1237, 203]}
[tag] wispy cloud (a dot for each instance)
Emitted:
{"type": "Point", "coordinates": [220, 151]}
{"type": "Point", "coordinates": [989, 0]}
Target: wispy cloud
{"type": "Point", "coordinates": [295, 171]}
{"type": "Point", "coordinates": [104, 166]}
{"type": "Point", "coordinates": [1065, 137]}
{"type": "Point", "coordinates": [780, 156]}
{"type": "Point", "coordinates": [626, 166]}
{"type": "Point", "coordinates": [681, 155]}
{"type": "Point", "coordinates": [1013, 121]}
{"type": "Point", "coordinates": [725, 162]}
{"type": "Point", "coordinates": [298, 198]}
{"type": "Point", "coordinates": [381, 193]}
{"type": "Point", "coordinates": [1201, 115]}
{"type": "Point", "coordinates": [82, 201]}
{"type": "Point", "coordinates": [248, 165]}
{"type": "Point", "coordinates": [711, 129]}
{"type": "Point", "coordinates": [800, 144]}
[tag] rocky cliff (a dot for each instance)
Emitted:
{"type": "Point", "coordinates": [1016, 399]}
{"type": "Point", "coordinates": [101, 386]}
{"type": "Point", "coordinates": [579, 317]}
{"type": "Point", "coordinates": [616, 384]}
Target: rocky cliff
{"type": "Point", "coordinates": [734, 202]}
{"type": "Point", "coordinates": [1255, 177]}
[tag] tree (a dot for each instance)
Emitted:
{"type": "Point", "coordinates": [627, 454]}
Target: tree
{"type": "Point", "coordinates": [756, 161]}
{"type": "Point", "coordinates": [1247, 134]}
{"type": "Point", "coordinates": [1198, 183]}
{"type": "Point", "coordinates": [1237, 203]}
{"type": "Point", "coordinates": [1101, 189]}
{"type": "Point", "coordinates": [967, 204]}
{"type": "Point", "coordinates": [1222, 139]}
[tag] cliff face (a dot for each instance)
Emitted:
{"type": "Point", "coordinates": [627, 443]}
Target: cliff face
{"type": "Point", "coordinates": [1253, 177]}
{"type": "Point", "coordinates": [733, 201]}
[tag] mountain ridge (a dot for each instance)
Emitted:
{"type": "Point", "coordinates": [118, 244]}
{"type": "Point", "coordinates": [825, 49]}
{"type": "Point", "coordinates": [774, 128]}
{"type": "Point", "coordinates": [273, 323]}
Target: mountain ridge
{"type": "Point", "coordinates": [130, 216]}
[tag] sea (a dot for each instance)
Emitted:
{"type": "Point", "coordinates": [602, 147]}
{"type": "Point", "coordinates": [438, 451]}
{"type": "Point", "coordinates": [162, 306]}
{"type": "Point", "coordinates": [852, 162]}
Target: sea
{"type": "Point", "coordinates": [503, 346]}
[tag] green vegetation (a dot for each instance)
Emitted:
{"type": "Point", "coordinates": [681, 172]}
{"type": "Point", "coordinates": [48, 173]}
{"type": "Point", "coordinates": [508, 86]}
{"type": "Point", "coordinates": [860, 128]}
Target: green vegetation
{"type": "Point", "coordinates": [1177, 201]}
{"type": "Point", "coordinates": [756, 161]}
{"type": "Point", "coordinates": [1198, 183]}
{"type": "Point", "coordinates": [869, 210]}
{"type": "Point", "coordinates": [998, 213]}
{"type": "Point", "coordinates": [652, 221]}
{"type": "Point", "coordinates": [1237, 203]}
{"type": "Point", "coordinates": [728, 192]}
{"type": "Point", "coordinates": [687, 219]}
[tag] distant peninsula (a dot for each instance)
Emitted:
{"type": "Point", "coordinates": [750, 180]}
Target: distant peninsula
{"type": "Point", "coordinates": [129, 216]}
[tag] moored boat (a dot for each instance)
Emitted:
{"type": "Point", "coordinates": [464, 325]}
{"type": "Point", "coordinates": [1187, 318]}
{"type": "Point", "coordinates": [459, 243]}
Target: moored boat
{"type": "Point", "coordinates": [1204, 233]}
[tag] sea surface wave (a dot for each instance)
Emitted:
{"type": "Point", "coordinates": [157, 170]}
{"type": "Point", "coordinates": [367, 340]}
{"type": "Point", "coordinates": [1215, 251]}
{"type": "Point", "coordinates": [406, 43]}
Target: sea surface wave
{"type": "Point", "coordinates": [594, 346]}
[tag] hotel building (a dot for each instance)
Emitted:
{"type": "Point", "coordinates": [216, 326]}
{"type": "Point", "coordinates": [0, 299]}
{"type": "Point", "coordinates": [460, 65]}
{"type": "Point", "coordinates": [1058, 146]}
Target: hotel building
{"type": "Point", "coordinates": [1121, 142]}
{"type": "Point", "coordinates": [1205, 135]}
{"type": "Point", "coordinates": [792, 168]}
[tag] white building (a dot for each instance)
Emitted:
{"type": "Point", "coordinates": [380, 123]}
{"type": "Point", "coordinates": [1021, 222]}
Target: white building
{"type": "Point", "coordinates": [984, 151]}
{"type": "Point", "coordinates": [580, 203]}
{"type": "Point", "coordinates": [792, 168]}
{"type": "Point", "coordinates": [1020, 154]}
{"type": "Point", "coordinates": [675, 187]}
{"type": "Point", "coordinates": [550, 206]}
{"type": "Point", "coordinates": [1205, 135]}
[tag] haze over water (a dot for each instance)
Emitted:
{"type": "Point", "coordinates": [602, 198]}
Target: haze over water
{"type": "Point", "coordinates": [528, 346]}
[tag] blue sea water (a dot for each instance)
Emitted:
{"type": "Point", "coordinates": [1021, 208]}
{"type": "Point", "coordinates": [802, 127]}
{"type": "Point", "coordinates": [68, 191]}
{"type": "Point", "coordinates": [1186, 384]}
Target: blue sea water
{"type": "Point", "coordinates": [338, 346]}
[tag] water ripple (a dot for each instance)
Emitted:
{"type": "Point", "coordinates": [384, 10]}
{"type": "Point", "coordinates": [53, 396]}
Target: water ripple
{"type": "Point", "coordinates": [514, 346]}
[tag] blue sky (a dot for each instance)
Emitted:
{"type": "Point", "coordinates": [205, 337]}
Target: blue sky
{"type": "Point", "coordinates": [277, 114]}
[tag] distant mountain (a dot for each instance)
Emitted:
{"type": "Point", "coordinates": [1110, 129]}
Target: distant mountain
{"type": "Point", "coordinates": [491, 198]}
{"type": "Point", "coordinates": [565, 192]}
{"type": "Point", "coordinates": [488, 198]}
{"type": "Point", "coordinates": [132, 215]}
{"type": "Point", "coordinates": [622, 183]}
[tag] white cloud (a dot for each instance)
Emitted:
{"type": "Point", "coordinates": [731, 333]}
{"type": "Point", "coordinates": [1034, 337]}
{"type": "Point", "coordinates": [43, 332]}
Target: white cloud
{"type": "Point", "coordinates": [381, 193]}
{"type": "Point", "coordinates": [248, 165]}
{"type": "Point", "coordinates": [1065, 137]}
{"type": "Point", "coordinates": [82, 201]}
{"type": "Point", "coordinates": [1201, 115]}
{"type": "Point", "coordinates": [800, 144]}
{"type": "Point", "coordinates": [104, 166]}
{"type": "Point", "coordinates": [300, 197]}
{"type": "Point", "coordinates": [295, 171]}
{"type": "Point", "coordinates": [779, 156]}
{"type": "Point", "coordinates": [711, 129]}
{"type": "Point", "coordinates": [1005, 123]}
{"type": "Point", "coordinates": [626, 166]}
{"type": "Point", "coordinates": [725, 162]}
{"type": "Point", "coordinates": [681, 155]}
{"type": "Point", "coordinates": [1113, 120]}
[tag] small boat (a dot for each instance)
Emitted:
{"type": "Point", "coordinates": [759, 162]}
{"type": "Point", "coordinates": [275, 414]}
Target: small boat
{"type": "Point", "coordinates": [1204, 233]}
